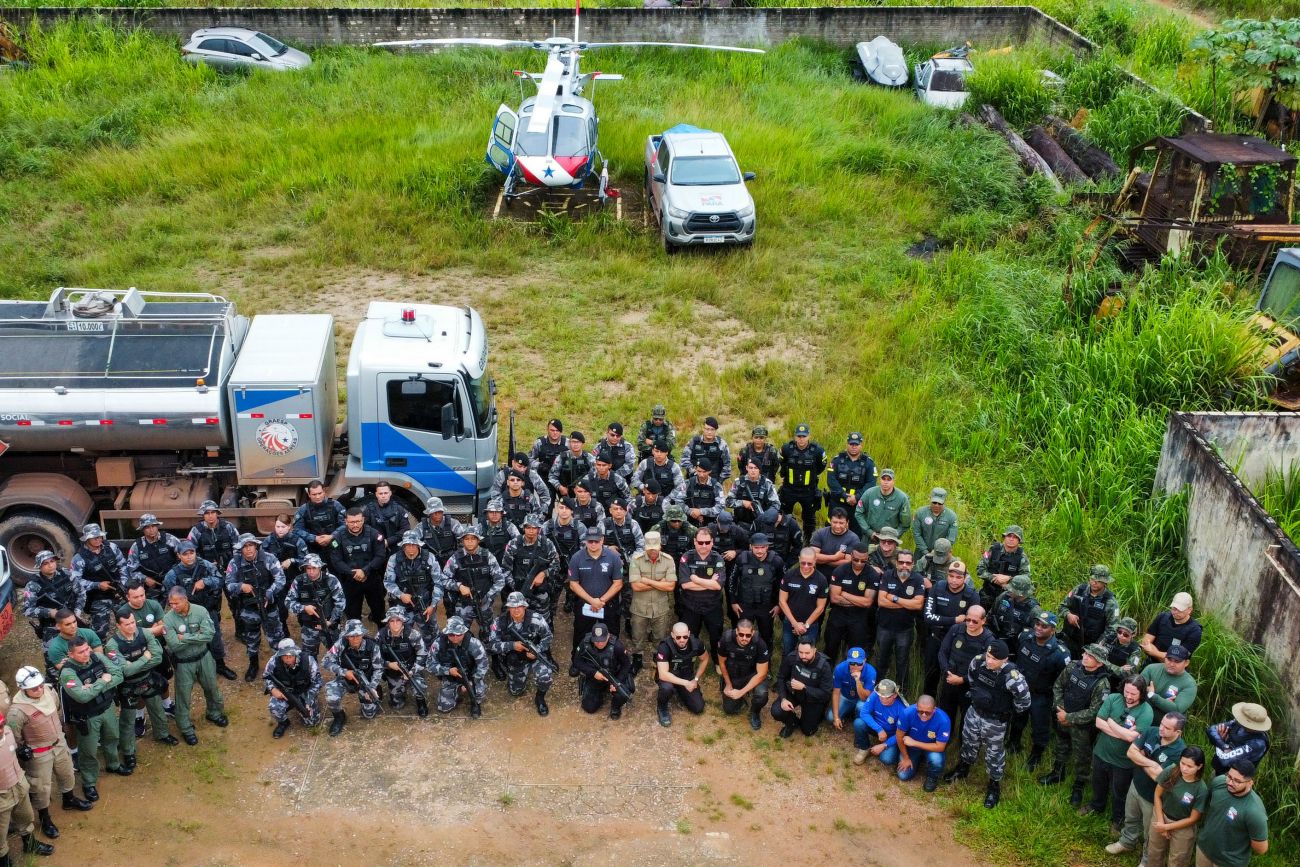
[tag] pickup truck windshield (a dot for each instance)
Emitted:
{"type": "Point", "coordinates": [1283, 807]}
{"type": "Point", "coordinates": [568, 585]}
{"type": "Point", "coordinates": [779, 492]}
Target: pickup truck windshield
{"type": "Point", "coordinates": [948, 81]}
{"type": "Point", "coordinates": [704, 171]}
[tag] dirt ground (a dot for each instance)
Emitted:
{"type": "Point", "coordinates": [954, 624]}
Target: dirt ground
{"type": "Point", "coordinates": [511, 788]}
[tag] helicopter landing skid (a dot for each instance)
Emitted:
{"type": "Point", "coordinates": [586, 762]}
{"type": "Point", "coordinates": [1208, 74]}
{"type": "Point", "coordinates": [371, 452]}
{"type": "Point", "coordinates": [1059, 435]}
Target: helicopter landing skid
{"type": "Point", "coordinates": [532, 203]}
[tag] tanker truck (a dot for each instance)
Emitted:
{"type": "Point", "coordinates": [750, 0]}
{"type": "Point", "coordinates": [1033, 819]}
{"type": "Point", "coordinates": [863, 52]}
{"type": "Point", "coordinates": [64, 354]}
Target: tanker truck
{"type": "Point", "coordinates": [114, 404]}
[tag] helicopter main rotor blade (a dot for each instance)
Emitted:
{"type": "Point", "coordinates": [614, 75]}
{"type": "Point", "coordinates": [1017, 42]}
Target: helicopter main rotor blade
{"type": "Point", "coordinates": [488, 43]}
{"type": "Point", "coordinates": [590, 45]}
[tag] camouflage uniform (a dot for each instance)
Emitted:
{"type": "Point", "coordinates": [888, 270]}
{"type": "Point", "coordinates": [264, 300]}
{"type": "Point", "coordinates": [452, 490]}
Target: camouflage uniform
{"type": "Point", "coordinates": [524, 561]}
{"type": "Point", "coordinates": [439, 539]}
{"type": "Point", "coordinates": [1098, 615]}
{"type": "Point", "coordinates": [698, 449]}
{"type": "Point", "coordinates": [1014, 611]}
{"type": "Point", "coordinates": [409, 649]}
{"type": "Point", "coordinates": [363, 660]}
{"type": "Point", "coordinates": [325, 594]}
{"type": "Point", "coordinates": [418, 577]}
{"type": "Point", "coordinates": [151, 561]}
{"type": "Point", "coordinates": [1122, 660]}
{"type": "Point", "coordinates": [995, 697]}
{"type": "Point", "coordinates": [761, 493]}
{"type": "Point", "coordinates": [255, 613]}
{"type": "Point", "coordinates": [1079, 693]}
{"type": "Point", "coordinates": [519, 667]}
{"type": "Point", "coordinates": [44, 595]}
{"type": "Point", "coordinates": [661, 432]}
{"type": "Point", "coordinates": [482, 575]}
{"type": "Point", "coordinates": [443, 657]}
{"type": "Point", "coordinates": [303, 679]}
{"type": "Point", "coordinates": [533, 484]}
{"type": "Point", "coordinates": [90, 569]}
{"type": "Point", "coordinates": [668, 475]}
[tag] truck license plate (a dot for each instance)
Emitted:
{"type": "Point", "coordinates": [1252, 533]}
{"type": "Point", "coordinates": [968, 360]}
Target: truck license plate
{"type": "Point", "coordinates": [713, 239]}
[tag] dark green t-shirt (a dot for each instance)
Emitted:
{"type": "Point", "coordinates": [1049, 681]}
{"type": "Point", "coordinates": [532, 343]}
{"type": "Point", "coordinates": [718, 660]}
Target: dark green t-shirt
{"type": "Point", "coordinates": [1230, 824]}
{"type": "Point", "coordinates": [1151, 747]}
{"type": "Point", "coordinates": [1181, 797]}
{"type": "Point", "coordinates": [1112, 750]}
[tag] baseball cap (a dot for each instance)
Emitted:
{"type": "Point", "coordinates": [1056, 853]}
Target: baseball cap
{"type": "Point", "coordinates": [760, 430]}
{"type": "Point", "coordinates": [1127, 623]}
{"type": "Point", "coordinates": [1182, 602]}
{"type": "Point", "coordinates": [942, 550]}
{"type": "Point", "coordinates": [185, 545]}
{"type": "Point", "coordinates": [759, 539]}
{"type": "Point", "coordinates": [1097, 651]}
{"type": "Point", "coordinates": [856, 656]}
{"type": "Point", "coordinates": [855, 439]}
{"type": "Point", "coordinates": [1047, 618]}
{"type": "Point", "coordinates": [659, 411]}
{"type": "Point", "coordinates": [938, 495]}
{"type": "Point", "coordinates": [593, 534]}
{"type": "Point", "coordinates": [600, 632]}
{"type": "Point", "coordinates": [725, 518]}
{"type": "Point", "coordinates": [1178, 653]}
{"type": "Point", "coordinates": [802, 430]}
{"type": "Point", "coordinates": [886, 473]}
{"type": "Point", "coordinates": [653, 541]}
{"type": "Point", "coordinates": [45, 557]}
{"type": "Point", "coordinates": [1014, 530]}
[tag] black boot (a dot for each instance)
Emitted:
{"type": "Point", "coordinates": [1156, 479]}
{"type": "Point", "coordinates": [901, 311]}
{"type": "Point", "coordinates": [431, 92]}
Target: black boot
{"type": "Point", "coordinates": [280, 728]}
{"type": "Point", "coordinates": [251, 674]}
{"type": "Point", "coordinates": [35, 847]}
{"type": "Point", "coordinates": [72, 802]}
{"type": "Point", "coordinates": [931, 782]}
{"type": "Point", "coordinates": [224, 670]}
{"type": "Point", "coordinates": [1056, 775]}
{"type": "Point", "coordinates": [421, 708]}
{"type": "Point", "coordinates": [755, 720]}
{"type": "Point", "coordinates": [337, 726]}
{"type": "Point", "coordinates": [498, 667]}
{"type": "Point", "coordinates": [960, 772]}
{"type": "Point", "coordinates": [1035, 758]}
{"type": "Point", "coordinates": [129, 761]}
{"type": "Point", "coordinates": [92, 793]}
{"type": "Point", "coordinates": [992, 794]}
{"type": "Point", "coordinates": [665, 718]}
{"type": "Point", "coordinates": [540, 701]}
{"type": "Point", "coordinates": [48, 828]}
{"type": "Point", "coordinates": [475, 710]}
{"type": "Point", "coordinates": [1076, 793]}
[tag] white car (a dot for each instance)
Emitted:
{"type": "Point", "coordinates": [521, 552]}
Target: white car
{"type": "Point", "coordinates": [941, 81]}
{"type": "Point", "coordinates": [239, 48]}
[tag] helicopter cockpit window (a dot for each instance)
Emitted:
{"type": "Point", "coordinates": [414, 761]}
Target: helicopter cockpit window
{"type": "Point", "coordinates": [530, 144]}
{"type": "Point", "coordinates": [570, 137]}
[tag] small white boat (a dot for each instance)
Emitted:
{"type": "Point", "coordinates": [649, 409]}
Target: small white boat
{"type": "Point", "coordinates": [883, 62]}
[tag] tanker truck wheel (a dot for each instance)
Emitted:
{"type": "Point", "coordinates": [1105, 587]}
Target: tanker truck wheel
{"type": "Point", "coordinates": [25, 533]}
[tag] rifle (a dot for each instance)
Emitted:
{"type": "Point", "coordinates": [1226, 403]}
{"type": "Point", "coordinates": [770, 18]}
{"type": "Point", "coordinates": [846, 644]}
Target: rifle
{"type": "Point", "coordinates": [543, 657]}
{"type": "Point", "coordinates": [416, 684]}
{"type": "Point", "coordinates": [365, 686]}
{"type": "Point", "coordinates": [294, 701]}
{"type": "Point", "coordinates": [44, 596]}
{"type": "Point", "coordinates": [622, 690]}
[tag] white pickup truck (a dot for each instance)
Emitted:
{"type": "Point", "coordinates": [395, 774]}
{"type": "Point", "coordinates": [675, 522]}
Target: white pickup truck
{"type": "Point", "coordinates": [695, 190]}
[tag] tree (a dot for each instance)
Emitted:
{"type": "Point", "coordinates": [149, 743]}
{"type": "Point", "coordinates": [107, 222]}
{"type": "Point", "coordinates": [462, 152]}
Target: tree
{"type": "Point", "coordinates": [1257, 54]}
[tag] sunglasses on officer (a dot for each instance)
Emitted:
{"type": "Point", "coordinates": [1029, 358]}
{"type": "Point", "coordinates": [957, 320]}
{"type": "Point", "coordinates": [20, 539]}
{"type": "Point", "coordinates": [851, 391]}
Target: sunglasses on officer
{"type": "Point", "coordinates": [920, 712]}
{"type": "Point", "coordinates": [740, 634]}
{"type": "Point", "coordinates": [677, 637]}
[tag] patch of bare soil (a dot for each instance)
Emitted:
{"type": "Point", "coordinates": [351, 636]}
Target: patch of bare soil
{"type": "Point", "coordinates": [509, 789]}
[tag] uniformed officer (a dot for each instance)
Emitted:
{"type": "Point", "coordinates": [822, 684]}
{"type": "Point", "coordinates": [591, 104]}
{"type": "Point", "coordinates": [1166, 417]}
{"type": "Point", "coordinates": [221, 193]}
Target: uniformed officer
{"type": "Point", "coordinates": [289, 550]}
{"type": "Point", "coordinates": [15, 802]}
{"type": "Point", "coordinates": [518, 503]}
{"type": "Point", "coordinates": [509, 631]}
{"type": "Point", "coordinates": [355, 663]}
{"type": "Point", "coordinates": [617, 451]}
{"type": "Point", "coordinates": [567, 533]}
{"type": "Point", "coordinates": [932, 522]}
{"type": "Point", "coordinates": [254, 581]}
{"type": "Point", "coordinates": [439, 530]}
{"type": "Point", "coordinates": [214, 537]}
{"type": "Point", "coordinates": [964, 642]}
{"type": "Point", "coordinates": [803, 461]}
{"type": "Point", "coordinates": [900, 596]}
{"type": "Point", "coordinates": [532, 484]}
{"type": "Point", "coordinates": [572, 466]}
{"type": "Point", "coordinates": [357, 555]}
{"type": "Point", "coordinates": [1041, 660]}
{"type": "Point", "coordinates": [752, 586]}
{"type": "Point", "coordinates": [148, 615]}
{"type": "Point", "coordinates": [291, 673]}
{"type": "Point", "coordinates": [460, 661]}
{"type": "Point", "coordinates": [387, 515]}
{"type": "Point", "coordinates": [647, 507]}
{"type": "Point", "coordinates": [655, 429]}
{"type": "Point", "coordinates": [1076, 697]}
{"type": "Point", "coordinates": [700, 573]}
{"type": "Point", "coordinates": [1123, 654]}
{"type": "Point", "coordinates": [851, 473]}
{"type": "Point", "coordinates": [852, 602]}
{"type": "Point", "coordinates": [140, 656]}
{"type": "Point", "coordinates": [678, 673]}
{"type": "Point", "coordinates": [414, 579]}
{"type": "Point", "coordinates": [68, 628]}
{"type": "Point", "coordinates": [49, 590]}
{"type": "Point", "coordinates": [1089, 612]}
{"type": "Point", "coordinates": [495, 531]}
{"type": "Point", "coordinates": [1014, 611]}
{"type": "Point", "coordinates": [659, 468]}
{"type": "Point", "coordinates": [784, 533]}
{"type": "Point", "coordinates": [532, 566]}
{"type": "Point", "coordinates": [707, 445]}
{"type": "Point", "coordinates": [744, 660]}
{"type": "Point", "coordinates": [546, 448]}
{"type": "Point", "coordinates": [933, 566]}
{"type": "Point", "coordinates": [152, 556]}
{"type": "Point", "coordinates": [761, 453]}
{"type": "Point", "coordinates": [752, 494]}
{"type": "Point", "coordinates": [596, 579]}
{"type": "Point", "coordinates": [36, 719]}
{"type": "Point", "coordinates": [605, 668]}
{"type": "Point", "coordinates": [100, 568]}
{"type": "Point", "coordinates": [188, 629]}
{"type": "Point", "coordinates": [947, 603]}
{"type": "Point", "coordinates": [318, 518]}
{"type": "Point", "coordinates": [652, 575]}
{"type": "Point", "coordinates": [404, 652]}
{"type": "Point", "coordinates": [316, 599]}
{"type": "Point", "coordinates": [202, 584]}
{"type": "Point", "coordinates": [998, 690]}
{"type": "Point", "coordinates": [677, 533]}
{"type": "Point", "coordinates": [605, 484]}
{"type": "Point", "coordinates": [883, 505]}
{"type": "Point", "coordinates": [472, 579]}
{"type": "Point", "coordinates": [622, 534]}
{"type": "Point", "coordinates": [1001, 562]}
{"type": "Point", "coordinates": [702, 496]}
{"type": "Point", "coordinates": [803, 689]}
{"type": "Point", "coordinates": [1245, 736]}
{"type": "Point", "coordinates": [89, 682]}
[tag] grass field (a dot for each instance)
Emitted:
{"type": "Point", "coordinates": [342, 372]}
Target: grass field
{"type": "Point", "coordinates": [121, 166]}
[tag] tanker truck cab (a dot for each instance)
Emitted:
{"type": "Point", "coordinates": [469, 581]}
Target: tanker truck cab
{"type": "Point", "coordinates": [421, 404]}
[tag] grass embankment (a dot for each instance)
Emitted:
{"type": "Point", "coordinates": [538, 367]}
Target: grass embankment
{"type": "Point", "coordinates": [121, 166]}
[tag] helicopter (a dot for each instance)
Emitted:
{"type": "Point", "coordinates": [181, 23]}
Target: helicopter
{"type": "Point", "coordinates": [549, 142]}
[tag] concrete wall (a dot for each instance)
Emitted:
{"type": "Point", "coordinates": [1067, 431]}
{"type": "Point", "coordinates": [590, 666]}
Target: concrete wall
{"type": "Point", "coordinates": [1253, 444]}
{"type": "Point", "coordinates": [1243, 567]}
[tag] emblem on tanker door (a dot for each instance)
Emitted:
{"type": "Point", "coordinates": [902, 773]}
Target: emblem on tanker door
{"type": "Point", "coordinates": [276, 436]}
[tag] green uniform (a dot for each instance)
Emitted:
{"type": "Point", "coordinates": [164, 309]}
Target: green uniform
{"type": "Point", "coordinates": [187, 639]}
{"type": "Point", "coordinates": [928, 529]}
{"type": "Point", "coordinates": [876, 509]}
{"type": "Point", "coordinates": [1166, 755]}
{"type": "Point", "coordinates": [89, 703]}
{"type": "Point", "coordinates": [1086, 692]}
{"type": "Point", "coordinates": [146, 616]}
{"type": "Point", "coordinates": [1171, 693]}
{"type": "Point", "coordinates": [58, 647]}
{"type": "Point", "coordinates": [1181, 797]}
{"type": "Point", "coordinates": [1230, 824]}
{"type": "Point", "coordinates": [665, 432]}
{"type": "Point", "coordinates": [135, 666]}
{"type": "Point", "coordinates": [1112, 750]}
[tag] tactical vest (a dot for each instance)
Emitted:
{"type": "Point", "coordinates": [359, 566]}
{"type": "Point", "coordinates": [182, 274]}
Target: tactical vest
{"type": "Point", "coordinates": [851, 474]}
{"type": "Point", "coordinates": [676, 540]}
{"type": "Point", "coordinates": [144, 684]}
{"type": "Point", "coordinates": [316, 594]}
{"type": "Point", "coordinates": [681, 661]}
{"type": "Point", "coordinates": [131, 651]}
{"type": "Point", "coordinates": [89, 676]}
{"type": "Point", "coordinates": [527, 561]}
{"type": "Point", "coordinates": [1091, 613]}
{"type": "Point", "coordinates": [359, 659]}
{"type": "Point", "coordinates": [1013, 619]}
{"type": "Point", "coordinates": [1003, 562]}
{"type": "Point", "coordinates": [603, 490]}
{"type": "Point", "coordinates": [647, 514]}
{"type": "Point", "coordinates": [321, 519]}
{"type": "Point", "coordinates": [566, 538]}
{"type": "Point", "coordinates": [1079, 685]}
{"type": "Point", "coordinates": [701, 450]}
{"type": "Point", "coordinates": [297, 678]}
{"type": "Point", "coordinates": [405, 645]}
{"type": "Point", "coordinates": [709, 566]}
{"type": "Point", "coordinates": [56, 589]}
{"type": "Point", "coordinates": [624, 537]}
{"type": "Point", "coordinates": [754, 580]}
{"type": "Point", "coordinates": [1032, 659]}
{"type": "Point", "coordinates": [529, 629]}
{"type": "Point", "coordinates": [966, 647]}
{"type": "Point", "coordinates": [616, 457]}
{"type": "Point", "coordinates": [547, 452]}
{"type": "Point", "coordinates": [586, 515]}
{"type": "Point", "coordinates": [210, 596]}
{"type": "Point", "coordinates": [216, 545]}
{"type": "Point", "coordinates": [495, 539]}
{"type": "Point", "coordinates": [801, 467]}
{"type": "Point", "coordinates": [389, 520]}
{"type": "Point", "coordinates": [662, 475]}
{"type": "Point", "coordinates": [989, 694]}
{"type": "Point", "coordinates": [604, 657]}
{"type": "Point", "coordinates": [356, 549]}
{"type": "Point", "coordinates": [474, 571]}
{"type": "Point", "coordinates": [1119, 654]}
{"type": "Point", "coordinates": [441, 540]}
{"type": "Point", "coordinates": [515, 509]}
{"type": "Point", "coordinates": [414, 577]}
{"type": "Point", "coordinates": [744, 489]}
{"type": "Point", "coordinates": [700, 496]}
{"type": "Point", "coordinates": [255, 573]}
{"type": "Point", "coordinates": [280, 547]}
{"type": "Point", "coordinates": [445, 652]}
{"type": "Point", "coordinates": [98, 567]}
{"type": "Point", "coordinates": [742, 662]}
{"type": "Point", "coordinates": [573, 468]}
{"type": "Point", "coordinates": [768, 460]}
{"type": "Point", "coordinates": [155, 558]}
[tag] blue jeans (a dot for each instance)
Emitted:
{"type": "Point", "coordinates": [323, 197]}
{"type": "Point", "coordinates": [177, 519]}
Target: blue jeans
{"type": "Point", "coordinates": [789, 640]}
{"type": "Point", "coordinates": [848, 708]}
{"type": "Point", "coordinates": [932, 762]}
{"type": "Point", "coordinates": [865, 737]}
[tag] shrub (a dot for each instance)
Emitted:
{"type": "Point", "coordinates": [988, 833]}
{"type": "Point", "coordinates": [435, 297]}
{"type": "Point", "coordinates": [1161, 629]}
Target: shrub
{"type": "Point", "coordinates": [1134, 116]}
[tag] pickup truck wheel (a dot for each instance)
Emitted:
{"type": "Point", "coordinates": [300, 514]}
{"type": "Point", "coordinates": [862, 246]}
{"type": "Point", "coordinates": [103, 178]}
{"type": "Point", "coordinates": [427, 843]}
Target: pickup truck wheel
{"type": "Point", "coordinates": [669, 247]}
{"type": "Point", "coordinates": [25, 533]}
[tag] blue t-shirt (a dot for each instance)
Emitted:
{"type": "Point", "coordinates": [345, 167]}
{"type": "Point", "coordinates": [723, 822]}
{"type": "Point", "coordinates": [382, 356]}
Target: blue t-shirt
{"type": "Point", "coordinates": [936, 730]}
{"type": "Point", "coordinates": [880, 716]}
{"type": "Point", "coordinates": [843, 681]}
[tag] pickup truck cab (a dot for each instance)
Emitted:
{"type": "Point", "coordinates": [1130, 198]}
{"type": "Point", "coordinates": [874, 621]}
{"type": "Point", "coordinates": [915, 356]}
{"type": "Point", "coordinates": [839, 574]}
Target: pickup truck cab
{"type": "Point", "coordinates": [695, 189]}
{"type": "Point", "coordinates": [941, 81]}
